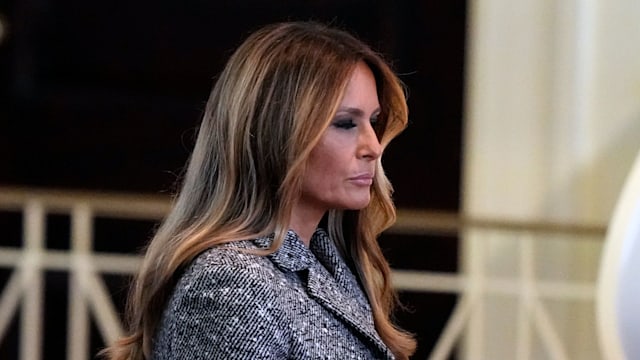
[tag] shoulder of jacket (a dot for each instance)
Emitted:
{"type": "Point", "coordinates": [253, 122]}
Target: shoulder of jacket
{"type": "Point", "coordinates": [230, 265]}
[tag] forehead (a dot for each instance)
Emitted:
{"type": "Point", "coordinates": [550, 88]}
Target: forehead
{"type": "Point", "coordinates": [361, 90]}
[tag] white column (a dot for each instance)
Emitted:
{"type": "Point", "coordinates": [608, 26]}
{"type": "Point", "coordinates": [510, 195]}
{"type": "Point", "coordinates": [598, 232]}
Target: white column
{"type": "Point", "coordinates": [552, 127]}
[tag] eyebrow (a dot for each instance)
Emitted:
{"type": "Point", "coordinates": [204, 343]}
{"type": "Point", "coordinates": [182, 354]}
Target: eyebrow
{"type": "Point", "coordinates": [356, 111]}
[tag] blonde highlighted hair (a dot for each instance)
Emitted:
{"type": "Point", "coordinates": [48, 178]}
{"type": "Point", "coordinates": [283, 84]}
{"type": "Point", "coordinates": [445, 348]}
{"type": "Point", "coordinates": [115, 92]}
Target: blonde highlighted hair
{"type": "Point", "coordinates": [267, 110]}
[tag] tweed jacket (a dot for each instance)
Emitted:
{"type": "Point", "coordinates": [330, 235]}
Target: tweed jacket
{"type": "Point", "coordinates": [297, 303]}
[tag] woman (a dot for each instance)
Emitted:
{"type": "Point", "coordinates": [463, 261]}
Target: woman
{"type": "Point", "coordinates": [270, 250]}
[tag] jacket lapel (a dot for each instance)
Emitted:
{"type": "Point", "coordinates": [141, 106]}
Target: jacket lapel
{"type": "Point", "coordinates": [336, 288]}
{"type": "Point", "coordinates": [351, 307]}
{"type": "Point", "coordinates": [326, 291]}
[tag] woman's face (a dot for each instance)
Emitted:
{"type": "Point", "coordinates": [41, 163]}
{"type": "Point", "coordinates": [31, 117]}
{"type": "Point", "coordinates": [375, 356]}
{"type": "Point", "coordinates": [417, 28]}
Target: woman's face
{"type": "Point", "coordinates": [341, 167]}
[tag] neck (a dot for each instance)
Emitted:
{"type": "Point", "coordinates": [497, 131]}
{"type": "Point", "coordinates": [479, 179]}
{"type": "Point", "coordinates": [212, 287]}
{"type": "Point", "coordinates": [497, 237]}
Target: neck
{"type": "Point", "coordinates": [304, 221]}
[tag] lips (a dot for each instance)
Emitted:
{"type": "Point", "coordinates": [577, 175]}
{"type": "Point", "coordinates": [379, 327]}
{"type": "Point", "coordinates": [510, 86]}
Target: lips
{"type": "Point", "coordinates": [362, 180]}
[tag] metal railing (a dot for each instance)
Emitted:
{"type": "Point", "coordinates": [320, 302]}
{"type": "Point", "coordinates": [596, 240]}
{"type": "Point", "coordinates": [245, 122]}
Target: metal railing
{"type": "Point", "coordinates": [88, 294]}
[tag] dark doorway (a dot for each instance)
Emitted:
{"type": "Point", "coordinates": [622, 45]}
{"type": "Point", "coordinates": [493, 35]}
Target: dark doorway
{"type": "Point", "coordinates": [107, 96]}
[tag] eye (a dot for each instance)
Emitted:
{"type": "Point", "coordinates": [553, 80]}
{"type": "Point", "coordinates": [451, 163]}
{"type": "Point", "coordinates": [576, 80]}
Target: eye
{"type": "Point", "coordinates": [374, 121]}
{"type": "Point", "coordinates": [344, 124]}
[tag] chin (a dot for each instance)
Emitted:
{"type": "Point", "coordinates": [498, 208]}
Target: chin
{"type": "Point", "coordinates": [358, 205]}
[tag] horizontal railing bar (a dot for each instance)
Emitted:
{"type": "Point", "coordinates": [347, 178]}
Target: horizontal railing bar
{"type": "Point", "coordinates": [412, 280]}
{"type": "Point", "coordinates": [415, 221]}
{"type": "Point", "coordinates": [427, 281]}
{"type": "Point", "coordinates": [108, 263]}
{"type": "Point", "coordinates": [405, 280]}
{"type": "Point", "coordinates": [155, 207]}
{"type": "Point", "coordinates": [121, 205]}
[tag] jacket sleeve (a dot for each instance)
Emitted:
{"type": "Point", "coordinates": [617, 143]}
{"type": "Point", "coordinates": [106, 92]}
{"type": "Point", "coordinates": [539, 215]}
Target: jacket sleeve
{"type": "Point", "coordinates": [223, 312]}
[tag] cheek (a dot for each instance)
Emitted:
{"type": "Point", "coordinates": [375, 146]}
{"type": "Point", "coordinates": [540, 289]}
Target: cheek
{"type": "Point", "coordinates": [321, 176]}
{"type": "Point", "coordinates": [329, 161]}
{"type": "Point", "coordinates": [324, 167]}
{"type": "Point", "coordinates": [322, 159]}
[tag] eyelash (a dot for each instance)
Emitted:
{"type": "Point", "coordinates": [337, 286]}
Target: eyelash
{"type": "Point", "coordinates": [345, 124]}
{"type": "Point", "coordinates": [350, 124]}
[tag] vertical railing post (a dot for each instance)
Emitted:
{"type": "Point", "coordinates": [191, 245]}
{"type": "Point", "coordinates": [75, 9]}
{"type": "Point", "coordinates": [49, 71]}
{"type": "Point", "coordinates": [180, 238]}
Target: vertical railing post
{"type": "Point", "coordinates": [32, 281]}
{"type": "Point", "coordinates": [474, 257]}
{"type": "Point", "coordinates": [527, 286]}
{"type": "Point", "coordinates": [81, 244]}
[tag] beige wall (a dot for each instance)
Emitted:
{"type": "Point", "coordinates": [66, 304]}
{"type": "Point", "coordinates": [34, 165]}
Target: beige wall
{"type": "Point", "coordinates": [552, 127]}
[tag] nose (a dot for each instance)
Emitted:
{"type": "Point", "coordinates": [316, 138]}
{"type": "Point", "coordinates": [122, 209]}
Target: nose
{"type": "Point", "coordinates": [368, 145]}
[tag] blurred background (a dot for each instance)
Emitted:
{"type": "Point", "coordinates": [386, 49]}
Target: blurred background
{"type": "Point", "coordinates": [524, 121]}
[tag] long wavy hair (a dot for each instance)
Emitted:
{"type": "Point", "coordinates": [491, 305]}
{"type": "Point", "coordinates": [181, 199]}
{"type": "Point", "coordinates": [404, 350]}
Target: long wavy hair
{"type": "Point", "coordinates": [267, 110]}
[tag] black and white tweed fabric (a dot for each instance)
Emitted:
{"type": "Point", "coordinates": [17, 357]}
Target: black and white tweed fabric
{"type": "Point", "coordinates": [297, 303]}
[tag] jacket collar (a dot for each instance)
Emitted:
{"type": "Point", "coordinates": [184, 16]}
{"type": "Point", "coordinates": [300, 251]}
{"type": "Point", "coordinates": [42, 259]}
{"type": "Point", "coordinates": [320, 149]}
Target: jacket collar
{"type": "Point", "coordinates": [292, 255]}
{"type": "Point", "coordinates": [329, 281]}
